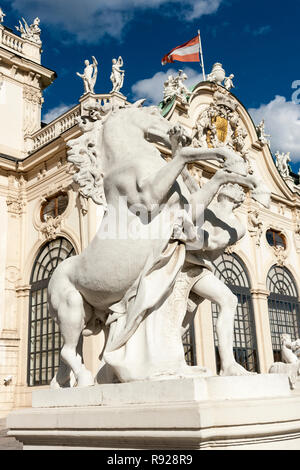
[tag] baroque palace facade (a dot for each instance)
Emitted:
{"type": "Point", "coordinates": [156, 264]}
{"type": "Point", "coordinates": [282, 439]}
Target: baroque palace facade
{"type": "Point", "coordinates": [44, 220]}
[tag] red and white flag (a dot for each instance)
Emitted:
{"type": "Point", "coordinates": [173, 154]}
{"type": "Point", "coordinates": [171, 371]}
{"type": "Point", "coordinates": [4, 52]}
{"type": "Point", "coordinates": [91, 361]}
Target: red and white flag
{"type": "Point", "coordinates": [187, 52]}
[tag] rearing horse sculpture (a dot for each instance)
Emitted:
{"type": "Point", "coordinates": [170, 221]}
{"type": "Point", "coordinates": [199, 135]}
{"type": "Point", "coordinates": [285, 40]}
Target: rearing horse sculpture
{"type": "Point", "coordinates": [136, 286]}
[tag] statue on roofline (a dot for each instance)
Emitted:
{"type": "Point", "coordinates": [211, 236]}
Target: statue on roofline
{"type": "Point", "coordinates": [32, 32]}
{"type": "Point", "coordinates": [117, 74]}
{"type": "Point", "coordinates": [89, 75]}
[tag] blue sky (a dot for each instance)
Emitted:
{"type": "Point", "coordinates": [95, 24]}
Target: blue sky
{"type": "Point", "coordinates": [258, 41]}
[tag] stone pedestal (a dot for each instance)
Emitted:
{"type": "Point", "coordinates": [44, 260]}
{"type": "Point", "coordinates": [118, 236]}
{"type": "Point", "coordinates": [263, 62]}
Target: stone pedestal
{"type": "Point", "coordinates": [251, 412]}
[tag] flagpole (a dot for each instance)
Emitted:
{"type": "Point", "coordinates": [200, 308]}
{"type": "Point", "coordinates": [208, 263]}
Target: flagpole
{"type": "Point", "coordinates": [201, 55]}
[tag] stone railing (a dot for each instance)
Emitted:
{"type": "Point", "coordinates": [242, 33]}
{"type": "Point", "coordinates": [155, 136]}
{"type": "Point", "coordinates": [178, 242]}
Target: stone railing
{"type": "Point", "coordinates": [12, 41]}
{"type": "Point", "coordinates": [53, 130]}
{"type": "Point", "coordinates": [23, 47]}
{"type": "Point", "coordinates": [67, 120]}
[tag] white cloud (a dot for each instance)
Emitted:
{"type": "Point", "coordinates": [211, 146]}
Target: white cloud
{"type": "Point", "coordinates": [282, 120]}
{"type": "Point", "coordinates": [152, 88]}
{"type": "Point", "coordinates": [90, 20]}
{"type": "Point", "coordinates": [55, 112]}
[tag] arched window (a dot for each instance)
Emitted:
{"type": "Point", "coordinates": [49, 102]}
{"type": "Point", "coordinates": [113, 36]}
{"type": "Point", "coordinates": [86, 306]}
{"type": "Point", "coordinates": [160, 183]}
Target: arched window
{"type": "Point", "coordinates": [44, 338]}
{"type": "Point", "coordinates": [188, 341]}
{"type": "Point", "coordinates": [284, 307]}
{"type": "Point", "coordinates": [231, 270]}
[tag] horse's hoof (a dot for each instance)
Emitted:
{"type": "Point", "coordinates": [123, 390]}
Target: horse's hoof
{"type": "Point", "coordinates": [85, 379]}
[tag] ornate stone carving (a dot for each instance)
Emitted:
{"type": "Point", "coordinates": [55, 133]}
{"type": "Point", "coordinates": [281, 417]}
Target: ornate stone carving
{"type": "Point", "coordinates": [174, 86]}
{"type": "Point", "coordinates": [262, 136]}
{"type": "Point", "coordinates": [16, 198]}
{"type": "Point", "coordinates": [117, 75]}
{"type": "Point", "coordinates": [255, 225]}
{"type": "Point", "coordinates": [89, 75]}
{"type": "Point", "coordinates": [228, 83]}
{"type": "Point", "coordinates": [280, 254]}
{"type": "Point", "coordinates": [51, 226]}
{"type": "Point", "coordinates": [218, 76]}
{"type": "Point", "coordinates": [219, 125]}
{"type": "Point", "coordinates": [282, 160]}
{"type": "Point", "coordinates": [32, 32]}
{"type": "Point", "coordinates": [33, 101]}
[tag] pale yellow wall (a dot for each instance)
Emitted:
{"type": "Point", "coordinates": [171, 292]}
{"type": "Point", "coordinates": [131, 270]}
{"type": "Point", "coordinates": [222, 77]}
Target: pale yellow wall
{"type": "Point", "coordinates": [11, 119]}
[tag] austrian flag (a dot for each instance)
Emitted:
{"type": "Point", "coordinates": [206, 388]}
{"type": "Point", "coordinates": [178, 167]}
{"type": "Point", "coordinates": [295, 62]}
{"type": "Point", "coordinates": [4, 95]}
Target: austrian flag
{"type": "Point", "coordinates": [187, 52]}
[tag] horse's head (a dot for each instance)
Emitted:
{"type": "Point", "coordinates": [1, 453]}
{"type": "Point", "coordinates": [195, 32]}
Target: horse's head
{"type": "Point", "coordinates": [149, 121]}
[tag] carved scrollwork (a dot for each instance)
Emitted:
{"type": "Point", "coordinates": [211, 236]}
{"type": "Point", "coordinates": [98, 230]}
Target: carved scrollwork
{"type": "Point", "coordinates": [219, 125]}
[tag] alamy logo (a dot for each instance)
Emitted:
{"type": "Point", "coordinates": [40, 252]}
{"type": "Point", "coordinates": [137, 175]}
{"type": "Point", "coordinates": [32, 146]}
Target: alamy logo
{"type": "Point", "coordinates": [296, 94]}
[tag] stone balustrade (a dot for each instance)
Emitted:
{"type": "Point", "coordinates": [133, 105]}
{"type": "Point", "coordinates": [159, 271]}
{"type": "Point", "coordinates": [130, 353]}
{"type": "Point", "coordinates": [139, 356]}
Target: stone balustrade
{"type": "Point", "coordinates": [23, 47]}
{"type": "Point", "coordinates": [61, 124]}
{"type": "Point", "coordinates": [11, 41]}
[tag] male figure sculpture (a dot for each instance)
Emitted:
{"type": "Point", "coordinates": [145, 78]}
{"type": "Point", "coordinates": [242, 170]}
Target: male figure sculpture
{"type": "Point", "coordinates": [89, 75]}
{"type": "Point", "coordinates": [136, 286]}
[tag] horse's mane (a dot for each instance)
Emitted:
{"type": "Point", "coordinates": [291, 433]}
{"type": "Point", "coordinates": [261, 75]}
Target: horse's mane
{"type": "Point", "coordinates": [86, 153]}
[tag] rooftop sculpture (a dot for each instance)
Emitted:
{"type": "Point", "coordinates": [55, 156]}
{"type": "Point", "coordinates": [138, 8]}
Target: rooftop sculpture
{"type": "Point", "coordinates": [32, 32]}
{"type": "Point", "coordinates": [218, 76]}
{"type": "Point", "coordinates": [2, 15]}
{"type": "Point", "coordinates": [262, 136]}
{"type": "Point", "coordinates": [117, 74]}
{"type": "Point", "coordinates": [153, 247]}
{"type": "Point", "coordinates": [282, 160]}
{"type": "Point", "coordinates": [89, 75]}
{"type": "Point", "coordinates": [174, 86]}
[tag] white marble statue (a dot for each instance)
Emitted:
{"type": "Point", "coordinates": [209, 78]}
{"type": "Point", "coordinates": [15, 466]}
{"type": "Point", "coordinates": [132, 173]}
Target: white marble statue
{"type": "Point", "coordinates": [174, 86]}
{"type": "Point", "coordinates": [290, 355]}
{"type": "Point", "coordinates": [134, 279]}
{"type": "Point", "coordinates": [2, 15]}
{"type": "Point", "coordinates": [262, 136]}
{"type": "Point", "coordinates": [255, 225]}
{"type": "Point", "coordinates": [228, 83]}
{"type": "Point", "coordinates": [32, 32]}
{"type": "Point", "coordinates": [282, 160]}
{"type": "Point", "coordinates": [89, 75]}
{"type": "Point", "coordinates": [117, 74]}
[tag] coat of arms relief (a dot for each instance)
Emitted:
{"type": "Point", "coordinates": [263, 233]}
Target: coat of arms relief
{"type": "Point", "coordinates": [219, 125]}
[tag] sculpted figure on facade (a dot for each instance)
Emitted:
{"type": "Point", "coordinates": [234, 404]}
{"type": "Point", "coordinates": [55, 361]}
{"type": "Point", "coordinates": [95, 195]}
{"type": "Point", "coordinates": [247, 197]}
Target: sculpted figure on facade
{"type": "Point", "coordinates": [282, 163]}
{"type": "Point", "coordinates": [290, 355]}
{"type": "Point", "coordinates": [117, 74]}
{"type": "Point", "coordinates": [228, 82]}
{"type": "Point", "coordinates": [32, 32]}
{"type": "Point", "coordinates": [255, 225]}
{"type": "Point", "coordinates": [151, 251]}
{"type": "Point", "coordinates": [262, 136]}
{"type": "Point", "coordinates": [174, 86]}
{"type": "Point", "coordinates": [2, 15]}
{"type": "Point", "coordinates": [89, 75]}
